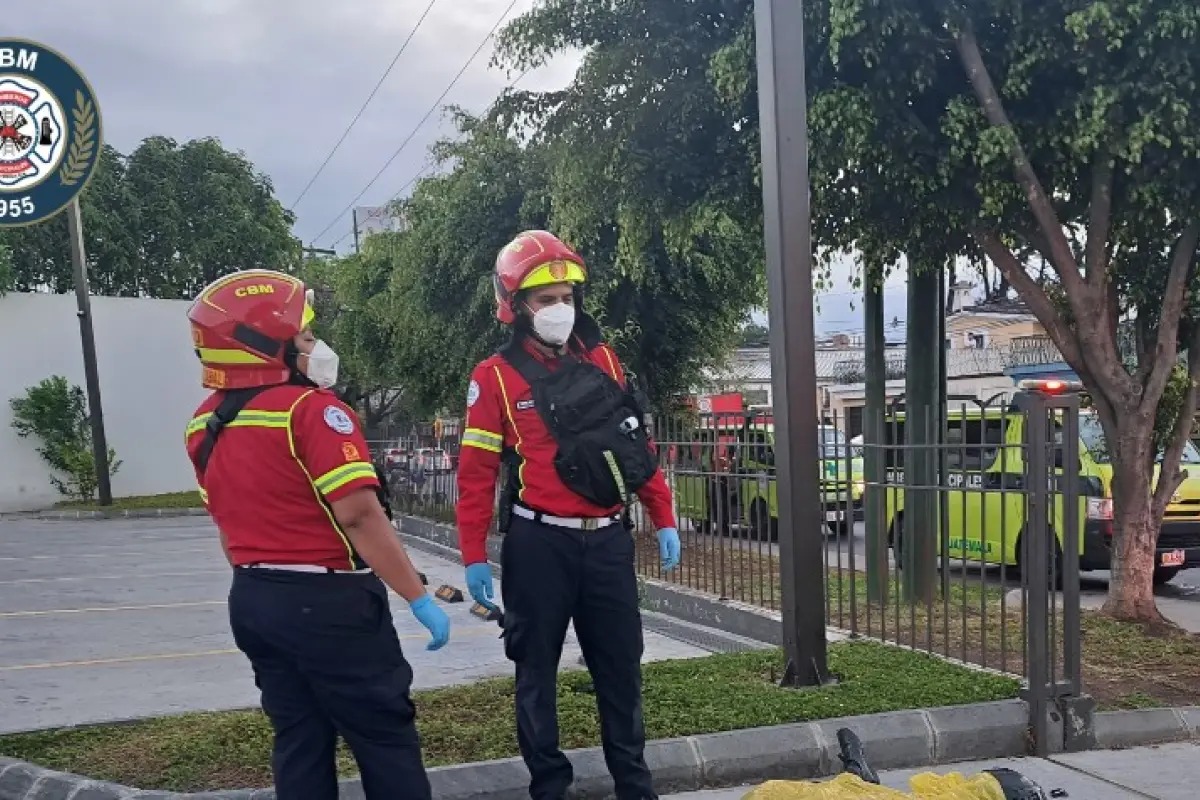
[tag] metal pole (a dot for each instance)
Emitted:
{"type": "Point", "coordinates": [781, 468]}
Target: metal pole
{"type": "Point", "coordinates": [354, 215]}
{"type": "Point", "coordinates": [1036, 546]}
{"type": "Point", "coordinates": [86, 335]}
{"type": "Point", "coordinates": [874, 461]}
{"type": "Point", "coordinates": [784, 132]}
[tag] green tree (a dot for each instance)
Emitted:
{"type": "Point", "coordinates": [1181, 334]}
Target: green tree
{"type": "Point", "coordinates": [649, 175]}
{"type": "Point", "coordinates": [162, 222]}
{"type": "Point", "coordinates": [351, 316]}
{"type": "Point", "coordinates": [56, 413]}
{"type": "Point", "coordinates": [1018, 126]}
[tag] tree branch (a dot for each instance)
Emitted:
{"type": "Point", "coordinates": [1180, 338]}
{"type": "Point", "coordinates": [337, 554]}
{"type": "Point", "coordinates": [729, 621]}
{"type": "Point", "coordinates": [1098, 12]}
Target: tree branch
{"type": "Point", "coordinates": [1035, 296]}
{"type": "Point", "coordinates": [1167, 484]}
{"type": "Point", "coordinates": [1154, 374]}
{"type": "Point", "coordinates": [1061, 257]}
{"type": "Point", "coordinates": [1099, 220]}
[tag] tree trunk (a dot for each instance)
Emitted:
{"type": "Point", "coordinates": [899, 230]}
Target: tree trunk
{"type": "Point", "coordinates": [1131, 588]}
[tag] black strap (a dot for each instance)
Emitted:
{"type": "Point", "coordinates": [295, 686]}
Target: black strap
{"type": "Point", "coordinates": [231, 405]}
{"type": "Point", "coordinates": [519, 358]}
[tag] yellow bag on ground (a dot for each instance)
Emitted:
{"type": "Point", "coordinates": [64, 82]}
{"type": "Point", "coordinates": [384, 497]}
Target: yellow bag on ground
{"type": "Point", "coordinates": [926, 786]}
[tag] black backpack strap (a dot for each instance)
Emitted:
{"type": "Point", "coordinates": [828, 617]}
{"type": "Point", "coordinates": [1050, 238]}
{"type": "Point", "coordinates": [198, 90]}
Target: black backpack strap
{"type": "Point", "coordinates": [231, 405]}
{"type": "Point", "coordinates": [519, 358]}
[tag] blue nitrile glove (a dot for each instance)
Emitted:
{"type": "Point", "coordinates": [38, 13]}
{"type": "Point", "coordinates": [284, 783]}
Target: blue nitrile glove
{"type": "Point", "coordinates": [430, 614]}
{"type": "Point", "coordinates": [479, 584]}
{"type": "Point", "coordinates": [668, 548]}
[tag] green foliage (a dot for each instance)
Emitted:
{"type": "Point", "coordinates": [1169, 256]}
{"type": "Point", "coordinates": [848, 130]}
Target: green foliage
{"type": "Point", "coordinates": [474, 722]}
{"type": "Point", "coordinates": [635, 163]}
{"type": "Point", "coordinates": [161, 222]}
{"type": "Point", "coordinates": [56, 413]}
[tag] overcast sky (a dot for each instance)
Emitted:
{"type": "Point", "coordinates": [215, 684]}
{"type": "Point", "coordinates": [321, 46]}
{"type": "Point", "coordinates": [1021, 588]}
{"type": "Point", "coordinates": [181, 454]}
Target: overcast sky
{"type": "Point", "coordinates": [281, 80]}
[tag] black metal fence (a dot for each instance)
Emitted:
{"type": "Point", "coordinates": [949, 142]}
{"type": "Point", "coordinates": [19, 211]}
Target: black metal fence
{"type": "Point", "coordinates": [933, 546]}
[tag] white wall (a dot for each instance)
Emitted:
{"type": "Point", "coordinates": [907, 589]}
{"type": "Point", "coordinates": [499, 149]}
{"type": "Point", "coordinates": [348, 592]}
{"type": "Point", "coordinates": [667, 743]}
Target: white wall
{"type": "Point", "coordinates": [149, 384]}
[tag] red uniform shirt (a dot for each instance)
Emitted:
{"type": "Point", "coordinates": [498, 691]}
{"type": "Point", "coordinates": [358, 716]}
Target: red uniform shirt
{"type": "Point", "coordinates": [500, 415]}
{"type": "Point", "coordinates": [274, 472]}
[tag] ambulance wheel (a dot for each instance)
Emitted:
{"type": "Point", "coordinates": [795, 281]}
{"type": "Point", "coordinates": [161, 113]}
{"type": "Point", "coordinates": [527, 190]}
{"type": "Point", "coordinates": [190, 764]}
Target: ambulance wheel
{"type": "Point", "coordinates": [1163, 575]}
{"type": "Point", "coordinates": [839, 528]}
{"type": "Point", "coordinates": [763, 527]}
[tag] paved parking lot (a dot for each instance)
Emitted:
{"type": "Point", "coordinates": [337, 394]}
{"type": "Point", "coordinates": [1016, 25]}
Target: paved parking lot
{"type": "Point", "coordinates": [109, 620]}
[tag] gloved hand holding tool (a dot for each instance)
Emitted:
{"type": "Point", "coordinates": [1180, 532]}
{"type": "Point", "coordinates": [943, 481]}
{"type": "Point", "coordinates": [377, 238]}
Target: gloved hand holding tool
{"type": "Point", "coordinates": [430, 614]}
{"type": "Point", "coordinates": [669, 548]}
{"type": "Point", "coordinates": [479, 584]}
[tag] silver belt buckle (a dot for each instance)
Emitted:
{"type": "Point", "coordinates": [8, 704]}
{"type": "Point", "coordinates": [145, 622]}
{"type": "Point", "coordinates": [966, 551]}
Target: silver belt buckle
{"type": "Point", "coordinates": [590, 524]}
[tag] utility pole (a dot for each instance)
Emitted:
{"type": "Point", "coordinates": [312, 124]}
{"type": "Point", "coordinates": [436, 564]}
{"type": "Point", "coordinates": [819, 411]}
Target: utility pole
{"type": "Point", "coordinates": [782, 98]}
{"type": "Point", "coordinates": [87, 335]}
{"type": "Point", "coordinates": [354, 216]}
{"type": "Point", "coordinates": [313, 252]}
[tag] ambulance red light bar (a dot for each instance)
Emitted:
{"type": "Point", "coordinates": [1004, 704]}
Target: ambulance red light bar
{"type": "Point", "coordinates": [1050, 386]}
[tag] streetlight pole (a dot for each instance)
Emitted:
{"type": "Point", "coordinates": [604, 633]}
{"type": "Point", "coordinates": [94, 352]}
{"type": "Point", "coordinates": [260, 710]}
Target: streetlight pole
{"type": "Point", "coordinates": [90, 370]}
{"type": "Point", "coordinates": [782, 100]}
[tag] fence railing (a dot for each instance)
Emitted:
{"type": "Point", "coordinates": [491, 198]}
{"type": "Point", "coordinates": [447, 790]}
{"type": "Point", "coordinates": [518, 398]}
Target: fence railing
{"type": "Point", "coordinates": [927, 546]}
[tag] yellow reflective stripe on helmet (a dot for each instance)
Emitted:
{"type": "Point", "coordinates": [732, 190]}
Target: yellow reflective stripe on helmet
{"type": "Point", "coordinates": [306, 319]}
{"type": "Point", "coordinates": [337, 478]}
{"type": "Point", "coordinates": [484, 440]}
{"type": "Point", "coordinates": [554, 272]}
{"type": "Point", "coordinates": [213, 355]}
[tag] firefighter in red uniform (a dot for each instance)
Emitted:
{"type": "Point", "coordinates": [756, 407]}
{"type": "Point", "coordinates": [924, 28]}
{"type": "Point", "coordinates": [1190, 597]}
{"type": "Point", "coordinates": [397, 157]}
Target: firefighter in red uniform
{"type": "Point", "coordinates": [553, 407]}
{"type": "Point", "coordinates": [283, 469]}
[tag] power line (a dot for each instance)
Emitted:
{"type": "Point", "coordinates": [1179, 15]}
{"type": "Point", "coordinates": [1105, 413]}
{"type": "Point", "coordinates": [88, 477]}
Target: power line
{"type": "Point", "coordinates": [428, 114]}
{"type": "Point", "coordinates": [380, 209]}
{"type": "Point", "coordinates": [366, 103]}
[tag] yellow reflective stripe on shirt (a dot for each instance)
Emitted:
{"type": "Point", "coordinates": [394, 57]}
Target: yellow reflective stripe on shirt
{"type": "Point", "coordinates": [351, 554]}
{"type": "Point", "coordinates": [508, 411]}
{"type": "Point", "coordinates": [245, 419]}
{"type": "Point", "coordinates": [337, 478]}
{"type": "Point", "coordinates": [484, 440]}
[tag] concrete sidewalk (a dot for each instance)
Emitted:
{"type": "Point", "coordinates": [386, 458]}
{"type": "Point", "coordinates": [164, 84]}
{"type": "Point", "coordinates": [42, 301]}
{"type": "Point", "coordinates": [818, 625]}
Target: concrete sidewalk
{"type": "Point", "coordinates": [1165, 772]}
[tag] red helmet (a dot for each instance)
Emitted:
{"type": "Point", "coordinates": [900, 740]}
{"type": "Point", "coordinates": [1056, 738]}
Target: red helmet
{"type": "Point", "coordinates": [533, 258]}
{"type": "Point", "coordinates": [242, 324]}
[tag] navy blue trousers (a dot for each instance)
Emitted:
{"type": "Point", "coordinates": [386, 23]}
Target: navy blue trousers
{"type": "Point", "coordinates": [327, 661]}
{"type": "Point", "coordinates": [553, 576]}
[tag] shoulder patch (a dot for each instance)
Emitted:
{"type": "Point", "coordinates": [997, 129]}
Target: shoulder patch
{"type": "Point", "coordinates": [472, 393]}
{"type": "Point", "coordinates": [338, 420]}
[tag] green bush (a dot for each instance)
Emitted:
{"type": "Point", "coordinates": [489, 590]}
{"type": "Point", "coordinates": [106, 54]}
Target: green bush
{"type": "Point", "coordinates": [56, 413]}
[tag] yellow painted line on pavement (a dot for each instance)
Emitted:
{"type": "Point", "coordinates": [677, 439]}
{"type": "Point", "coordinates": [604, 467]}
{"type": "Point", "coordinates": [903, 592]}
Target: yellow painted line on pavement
{"type": "Point", "coordinates": [99, 662]}
{"type": "Point", "coordinates": [101, 609]}
{"type": "Point", "coordinates": [125, 660]}
{"type": "Point", "coordinates": [140, 575]}
{"type": "Point", "coordinates": [67, 557]}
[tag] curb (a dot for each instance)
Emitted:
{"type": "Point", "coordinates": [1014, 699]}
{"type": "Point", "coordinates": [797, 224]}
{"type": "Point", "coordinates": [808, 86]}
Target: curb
{"type": "Point", "coordinates": [128, 513]}
{"type": "Point", "coordinates": [893, 740]}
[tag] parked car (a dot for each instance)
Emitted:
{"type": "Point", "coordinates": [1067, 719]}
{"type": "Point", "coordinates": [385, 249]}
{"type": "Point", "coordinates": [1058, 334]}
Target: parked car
{"type": "Point", "coordinates": [395, 456]}
{"type": "Point", "coordinates": [433, 459]}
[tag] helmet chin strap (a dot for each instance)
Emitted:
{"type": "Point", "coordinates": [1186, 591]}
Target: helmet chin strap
{"type": "Point", "coordinates": [291, 355]}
